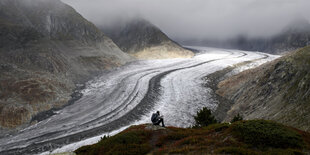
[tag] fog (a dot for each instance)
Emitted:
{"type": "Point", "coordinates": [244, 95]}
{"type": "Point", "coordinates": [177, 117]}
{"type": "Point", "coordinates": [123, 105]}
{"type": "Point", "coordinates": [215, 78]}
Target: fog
{"type": "Point", "coordinates": [197, 19]}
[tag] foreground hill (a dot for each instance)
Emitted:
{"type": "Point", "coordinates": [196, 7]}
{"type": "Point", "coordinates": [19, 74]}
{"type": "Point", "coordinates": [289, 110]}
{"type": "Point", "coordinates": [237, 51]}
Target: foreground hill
{"type": "Point", "coordinates": [245, 137]}
{"type": "Point", "coordinates": [46, 49]}
{"type": "Point", "coordinates": [279, 90]}
{"type": "Point", "coordinates": [144, 40]}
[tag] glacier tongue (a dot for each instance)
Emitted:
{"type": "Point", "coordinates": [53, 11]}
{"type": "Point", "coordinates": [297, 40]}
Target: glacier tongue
{"type": "Point", "coordinates": [129, 95]}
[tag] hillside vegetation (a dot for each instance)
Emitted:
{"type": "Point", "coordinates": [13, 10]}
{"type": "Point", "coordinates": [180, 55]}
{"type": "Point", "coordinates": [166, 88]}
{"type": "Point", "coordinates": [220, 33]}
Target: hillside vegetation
{"type": "Point", "coordinates": [242, 137]}
{"type": "Point", "coordinates": [279, 91]}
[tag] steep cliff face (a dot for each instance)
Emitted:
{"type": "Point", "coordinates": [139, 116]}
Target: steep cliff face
{"type": "Point", "coordinates": [46, 49]}
{"type": "Point", "coordinates": [279, 90]}
{"type": "Point", "coordinates": [144, 40]}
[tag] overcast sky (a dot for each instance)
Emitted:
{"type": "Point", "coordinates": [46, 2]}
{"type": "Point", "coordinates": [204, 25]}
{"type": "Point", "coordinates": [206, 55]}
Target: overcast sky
{"type": "Point", "coordinates": [188, 19]}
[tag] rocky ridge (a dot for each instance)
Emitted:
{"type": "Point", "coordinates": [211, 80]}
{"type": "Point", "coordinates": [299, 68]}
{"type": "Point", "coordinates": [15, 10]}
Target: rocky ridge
{"type": "Point", "coordinates": [278, 90]}
{"type": "Point", "coordinates": [47, 50]}
{"type": "Point", "coordinates": [144, 40]}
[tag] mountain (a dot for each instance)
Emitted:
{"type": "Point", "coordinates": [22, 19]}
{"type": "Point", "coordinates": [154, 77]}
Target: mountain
{"type": "Point", "coordinates": [292, 37]}
{"type": "Point", "coordinates": [278, 90]}
{"type": "Point", "coordinates": [144, 40]}
{"type": "Point", "coordinates": [47, 50]}
{"type": "Point", "coordinates": [243, 138]}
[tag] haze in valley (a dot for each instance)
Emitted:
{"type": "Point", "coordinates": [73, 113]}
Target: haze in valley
{"type": "Point", "coordinates": [199, 19]}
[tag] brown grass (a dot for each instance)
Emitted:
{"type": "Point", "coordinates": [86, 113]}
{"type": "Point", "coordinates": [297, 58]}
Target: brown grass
{"type": "Point", "coordinates": [214, 139]}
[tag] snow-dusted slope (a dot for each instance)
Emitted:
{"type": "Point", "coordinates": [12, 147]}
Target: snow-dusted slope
{"type": "Point", "coordinates": [127, 96]}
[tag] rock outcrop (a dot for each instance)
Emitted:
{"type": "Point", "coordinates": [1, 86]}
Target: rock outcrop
{"type": "Point", "coordinates": [46, 50]}
{"type": "Point", "coordinates": [278, 90]}
{"type": "Point", "coordinates": [144, 40]}
{"type": "Point", "coordinates": [154, 127]}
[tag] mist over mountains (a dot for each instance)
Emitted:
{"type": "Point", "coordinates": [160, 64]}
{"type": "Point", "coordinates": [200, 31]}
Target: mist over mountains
{"type": "Point", "coordinates": [66, 80]}
{"type": "Point", "coordinates": [47, 47]}
{"type": "Point", "coordinates": [293, 36]}
{"type": "Point", "coordinates": [200, 19]}
{"type": "Point", "coordinates": [144, 40]}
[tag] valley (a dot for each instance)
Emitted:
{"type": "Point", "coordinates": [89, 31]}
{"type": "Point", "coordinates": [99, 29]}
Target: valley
{"type": "Point", "coordinates": [129, 95]}
{"type": "Point", "coordinates": [77, 73]}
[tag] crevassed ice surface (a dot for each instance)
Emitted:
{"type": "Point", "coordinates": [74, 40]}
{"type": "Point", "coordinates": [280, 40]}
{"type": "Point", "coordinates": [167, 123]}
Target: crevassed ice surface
{"type": "Point", "coordinates": [129, 95]}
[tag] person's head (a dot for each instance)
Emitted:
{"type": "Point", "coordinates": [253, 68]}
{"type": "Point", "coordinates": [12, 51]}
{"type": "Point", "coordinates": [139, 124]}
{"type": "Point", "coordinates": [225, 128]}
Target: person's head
{"type": "Point", "coordinates": [157, 112]}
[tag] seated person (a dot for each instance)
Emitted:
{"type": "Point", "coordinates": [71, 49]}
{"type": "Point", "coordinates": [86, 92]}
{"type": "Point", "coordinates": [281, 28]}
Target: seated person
{"type": "Point", "coordinates": [157, 119]}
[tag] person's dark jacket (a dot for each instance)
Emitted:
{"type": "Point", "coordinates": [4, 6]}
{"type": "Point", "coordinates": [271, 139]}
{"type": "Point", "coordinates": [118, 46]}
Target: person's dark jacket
{"type": "Point", "coordinates": [155, 118]}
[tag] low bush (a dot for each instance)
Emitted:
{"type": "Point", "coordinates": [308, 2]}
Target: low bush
{"type": "Point", "coordinates": [204, 118]}
{"type": "Point", "coordinates": [237, 118]}
{"type": "Point", "coordinates": [264, 133]}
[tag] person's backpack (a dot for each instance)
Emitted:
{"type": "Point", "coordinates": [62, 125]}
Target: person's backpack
{"type": "Point", "coordinates": [153, 118]}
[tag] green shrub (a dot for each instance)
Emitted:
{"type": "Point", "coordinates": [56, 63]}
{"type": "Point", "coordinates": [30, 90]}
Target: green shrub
{"type": "Point", "coordinates": [237, 118]}
{"type": "Point", "coordinates": [264, 133]}
{"type": "Point", "coordinates": [204, 118]}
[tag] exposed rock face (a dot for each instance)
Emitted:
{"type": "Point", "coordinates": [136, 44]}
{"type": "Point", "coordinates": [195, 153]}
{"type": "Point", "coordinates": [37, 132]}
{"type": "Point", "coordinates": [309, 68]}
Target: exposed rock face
{"type": "Point", "coordinates": [46, 48]}
{"type": "Point", "coordinates": [279, 90]}
{"type": "Point", "coordinates": [294, 36]}
{"type": "Point", "coordinates": [144, 40]}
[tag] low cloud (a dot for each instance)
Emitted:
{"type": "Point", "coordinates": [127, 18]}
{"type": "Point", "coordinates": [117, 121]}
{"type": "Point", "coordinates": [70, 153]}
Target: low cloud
{"type": "Point", "coordinates": [197, 19]}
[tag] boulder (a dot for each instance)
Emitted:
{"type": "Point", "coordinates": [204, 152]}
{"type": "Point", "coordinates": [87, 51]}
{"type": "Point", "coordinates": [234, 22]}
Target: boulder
{"type": "Point", "coordinates": [154, 127]}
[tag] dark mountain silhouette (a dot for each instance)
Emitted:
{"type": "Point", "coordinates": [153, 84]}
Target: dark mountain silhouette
{"type": "Point", "coordinates": [144, 40]}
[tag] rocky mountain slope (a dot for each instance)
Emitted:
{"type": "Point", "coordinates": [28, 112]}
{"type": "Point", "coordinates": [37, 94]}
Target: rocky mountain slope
{"type": "Point", "coordinates": [144, 40]}
{"type": "Point", "coordinates": [245, 137]}
{"type": "Point", "coordinates": [292, 37]}
{"type": "Point", "coordinates": [46, 50]}
{"type": "Point", "coordinates": [279, 90]}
